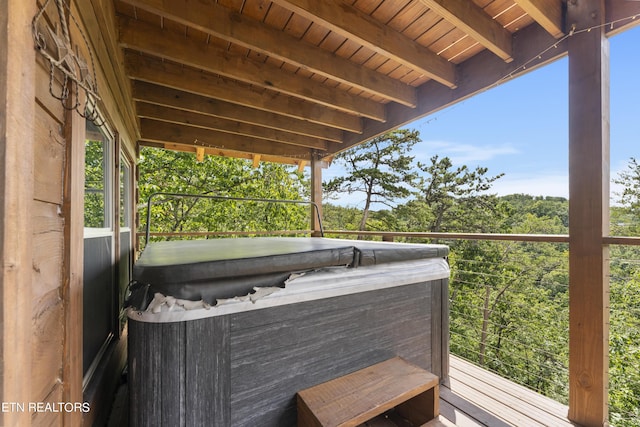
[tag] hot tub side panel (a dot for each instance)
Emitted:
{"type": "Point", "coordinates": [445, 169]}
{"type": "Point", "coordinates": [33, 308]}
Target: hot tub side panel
{"type": "Point", "coordinates": [179, 373]}
{"type": "Point", "coordinates": [244, 369]}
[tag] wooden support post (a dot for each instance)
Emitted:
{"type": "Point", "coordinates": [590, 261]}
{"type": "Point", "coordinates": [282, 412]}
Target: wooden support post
{"type": "Point", "coordinates": [301, 166]}
{"type": "Point", "coordinates": [256, 161]}
{"type": "Point", "coordinates": [316, 194]}
{"type": "Point", "coordinates": [73, 211]}
{"type": "Point", "coordinates": [200, 154]}
{"type": "Point", "coordinates": [588, 213]}
{"type": "Point", "coordinates": [17, 120]}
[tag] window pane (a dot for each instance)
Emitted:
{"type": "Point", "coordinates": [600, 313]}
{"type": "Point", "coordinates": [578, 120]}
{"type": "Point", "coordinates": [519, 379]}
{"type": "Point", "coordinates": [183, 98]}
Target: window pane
{"type": "Point", "coordinates": [125, 194]}
{"type": "Point", "coordinates": [96, 189]}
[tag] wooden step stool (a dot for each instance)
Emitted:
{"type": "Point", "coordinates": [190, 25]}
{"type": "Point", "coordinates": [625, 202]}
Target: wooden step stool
{"type": "Point", "coordinates": [358, 397]}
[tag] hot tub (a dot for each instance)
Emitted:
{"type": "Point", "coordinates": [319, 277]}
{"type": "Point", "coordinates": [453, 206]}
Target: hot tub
{"type": "Point", "coordinates": [225, 332]}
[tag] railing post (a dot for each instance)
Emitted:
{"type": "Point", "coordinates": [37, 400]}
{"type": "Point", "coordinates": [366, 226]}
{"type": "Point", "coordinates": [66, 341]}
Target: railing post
{"type": "Point", "coordinates": [316, 195]}
{"type": "Point", "coordinates": [588, 212]}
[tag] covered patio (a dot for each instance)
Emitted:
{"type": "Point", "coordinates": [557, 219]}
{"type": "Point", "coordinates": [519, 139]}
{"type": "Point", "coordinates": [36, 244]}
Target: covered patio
{"type": "Point", "coordinates": [287, 81]}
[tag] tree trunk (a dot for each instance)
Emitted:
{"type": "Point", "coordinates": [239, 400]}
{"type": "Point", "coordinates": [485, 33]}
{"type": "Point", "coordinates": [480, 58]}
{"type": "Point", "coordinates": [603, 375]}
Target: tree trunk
{"type": "Point", "coordinates": [365, 212]}
{"type": "Point", "coordinates": [363, 221]}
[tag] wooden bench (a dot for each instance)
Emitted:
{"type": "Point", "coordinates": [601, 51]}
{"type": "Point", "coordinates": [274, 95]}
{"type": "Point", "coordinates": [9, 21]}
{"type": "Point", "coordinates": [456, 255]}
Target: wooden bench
{"type": "Point", "coordinates": [353, 399]}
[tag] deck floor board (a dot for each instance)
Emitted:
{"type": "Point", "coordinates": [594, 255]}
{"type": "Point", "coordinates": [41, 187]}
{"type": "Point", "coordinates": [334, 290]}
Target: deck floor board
{"type": "Point", "coordinates": [476, 397]}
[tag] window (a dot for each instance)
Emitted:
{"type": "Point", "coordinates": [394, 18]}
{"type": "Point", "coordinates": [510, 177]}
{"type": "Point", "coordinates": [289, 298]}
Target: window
{"type": "Point", "coordinates": [100, 291]}
{"type": "Point", "coordinates": [97, 186]}
{"type": "Point", "coordinates": [126, 198]}
{"type": "Point", "coordinates": [126, 236]}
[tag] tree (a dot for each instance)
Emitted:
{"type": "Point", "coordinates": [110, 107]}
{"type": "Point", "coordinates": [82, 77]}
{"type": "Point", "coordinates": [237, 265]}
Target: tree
{"type": "Point", "coordinates": [456, 197]}
{"type": "Point", "coordinates": [379, 168]}
{"type": "Point", "coordinates": [630, 180]}
{"type": "Point", "coordinates": [629, 198]}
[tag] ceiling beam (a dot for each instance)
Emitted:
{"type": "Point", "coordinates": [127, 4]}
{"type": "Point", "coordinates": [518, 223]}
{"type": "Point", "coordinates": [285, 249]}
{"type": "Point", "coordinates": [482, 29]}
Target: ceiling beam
{"type": "Point", "coordinates": [355, 25]}
{"type": "Point", "coordinates": [234, 27]}
{"type": "Point", "coordinates": [220, 152]}
{"type": "Point", "coordinates": [163, 132]}
{"type": "Point", "coordinates": [150, 93]}
{"type": "Point", "coordinates": [189, 80]}
{"type": "Point", "coordinates": [471, 19]}
{"type": "Point", "coordinates": [547, 13]}
{"type": "Point", "coordinates": [188, 118]}
{"type": "Point", "coordinates": [155, 41]}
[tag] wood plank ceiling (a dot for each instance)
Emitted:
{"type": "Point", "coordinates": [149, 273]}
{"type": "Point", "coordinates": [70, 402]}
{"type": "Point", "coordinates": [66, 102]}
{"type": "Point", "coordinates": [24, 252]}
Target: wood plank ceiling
{"type": "Point", "coordinates": [291, 80]}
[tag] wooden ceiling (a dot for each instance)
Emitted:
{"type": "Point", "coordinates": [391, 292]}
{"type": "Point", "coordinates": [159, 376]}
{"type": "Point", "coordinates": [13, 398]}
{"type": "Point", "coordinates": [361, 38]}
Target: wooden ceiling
{"type": "Point", "coordinates": [292, 80]}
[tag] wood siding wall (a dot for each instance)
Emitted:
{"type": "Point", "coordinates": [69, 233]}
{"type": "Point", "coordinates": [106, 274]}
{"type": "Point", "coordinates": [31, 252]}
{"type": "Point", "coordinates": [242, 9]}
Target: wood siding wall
{"type": "Point", "coordinates": [48, 310]}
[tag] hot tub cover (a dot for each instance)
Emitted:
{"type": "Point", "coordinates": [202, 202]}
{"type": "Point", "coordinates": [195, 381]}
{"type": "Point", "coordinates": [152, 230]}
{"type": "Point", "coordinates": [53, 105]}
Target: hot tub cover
{"type": "Point", "coordinates": [225, 268]}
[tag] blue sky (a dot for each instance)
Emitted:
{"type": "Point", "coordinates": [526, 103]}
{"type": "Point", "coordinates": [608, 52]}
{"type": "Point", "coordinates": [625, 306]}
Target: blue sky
{"type": "Point", "coordinates": [520, 127]}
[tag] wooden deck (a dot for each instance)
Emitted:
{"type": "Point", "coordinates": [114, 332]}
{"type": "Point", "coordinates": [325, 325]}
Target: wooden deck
{"type": "Point", "coordinates": [476, 397]}
{"type": "Point", "coordinates": [473, 398]}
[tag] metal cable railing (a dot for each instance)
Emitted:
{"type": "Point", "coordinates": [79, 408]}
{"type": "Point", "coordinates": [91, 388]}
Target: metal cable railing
{"type": "Point", "coordinates": [509, 313]}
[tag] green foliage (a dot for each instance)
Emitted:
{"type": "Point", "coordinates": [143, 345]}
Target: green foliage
{"type": "Point", "coordinates": [540, 206]}
{"type": "Point", "coordinates": [176, 172]}
{"type": "Point", "coordinates": [340, 218]}
{"type": "Point", "coordinates": [94, 191]}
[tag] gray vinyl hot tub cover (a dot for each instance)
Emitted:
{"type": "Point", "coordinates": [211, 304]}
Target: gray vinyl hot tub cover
{"type": "Point", "coordinates": [224, 268]}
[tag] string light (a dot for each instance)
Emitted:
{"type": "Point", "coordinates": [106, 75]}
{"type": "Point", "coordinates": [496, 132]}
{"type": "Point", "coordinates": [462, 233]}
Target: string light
{"type": "Point", "coordinates": [572, 32]}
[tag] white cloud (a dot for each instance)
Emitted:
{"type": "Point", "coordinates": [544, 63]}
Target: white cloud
{"type": "Point", "coordinates": [462, 154]}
